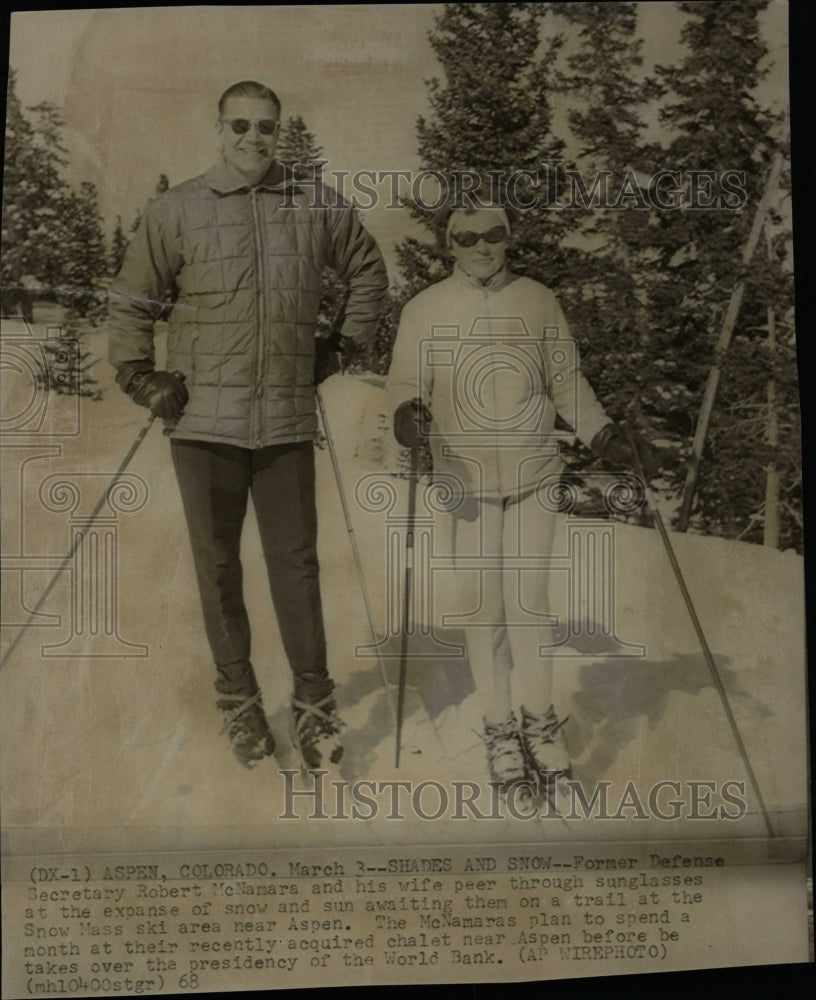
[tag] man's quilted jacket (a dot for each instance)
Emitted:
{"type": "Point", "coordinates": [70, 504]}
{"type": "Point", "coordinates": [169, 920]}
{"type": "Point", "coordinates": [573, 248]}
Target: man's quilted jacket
{"type": "Point", "coordinates": [247, 264]}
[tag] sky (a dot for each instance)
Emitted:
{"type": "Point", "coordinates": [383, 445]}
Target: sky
{"type": "Point", "coordinates": [138, 86]}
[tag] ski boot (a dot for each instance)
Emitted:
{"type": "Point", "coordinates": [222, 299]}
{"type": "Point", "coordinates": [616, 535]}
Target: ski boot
{"type": "Point", "coordinates": [246, 726]}
{"type": "Point", "coordinates": [316, 732]}
{"type": "Point", "coordinates": [545, 750]}
{"type": "Point", "coordinates": [506, 762]}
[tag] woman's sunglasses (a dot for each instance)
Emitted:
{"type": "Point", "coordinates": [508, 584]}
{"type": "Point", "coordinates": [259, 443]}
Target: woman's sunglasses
{"type": "Point", "coordinates": [467, 238]}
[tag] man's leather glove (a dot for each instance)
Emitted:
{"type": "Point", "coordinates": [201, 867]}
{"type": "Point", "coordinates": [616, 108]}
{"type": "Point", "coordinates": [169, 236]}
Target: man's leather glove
{"type": "Point", "coordinates": [614, 446]}
{"type": "Point", "coordinates": [412, 420]}
{"type": "Point", "coordinates": [163, 393]}
{"type": "Point", "coordinates": [333, 354]}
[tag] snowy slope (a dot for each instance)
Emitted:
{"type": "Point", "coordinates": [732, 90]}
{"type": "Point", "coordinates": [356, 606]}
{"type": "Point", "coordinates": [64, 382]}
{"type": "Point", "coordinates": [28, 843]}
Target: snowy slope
{"type": "Point", "coordinates": [131, 744]}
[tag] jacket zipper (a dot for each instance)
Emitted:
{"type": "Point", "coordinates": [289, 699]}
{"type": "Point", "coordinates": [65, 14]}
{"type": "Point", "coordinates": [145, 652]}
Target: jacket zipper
{"type": "Point", "coordinates": [257, 409]}
{"type": "Point", "coordinates": [486, 294]}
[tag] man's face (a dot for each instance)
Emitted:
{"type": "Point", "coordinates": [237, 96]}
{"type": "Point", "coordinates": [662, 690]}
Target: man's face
{"type": "Point", "coordinates": [483, 259]}
{"type": "Point", "coordinates": [249, 153]}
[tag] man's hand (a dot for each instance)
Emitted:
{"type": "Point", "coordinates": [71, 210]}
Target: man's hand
{"type": "Point", "coordinates": [161, 392]}
{"type": "Point", "coordinates": [412, 420]}
{"type": "Point", "coordinates": [614, 446]}
{"type": "Point", "coordinates": [333, 354]}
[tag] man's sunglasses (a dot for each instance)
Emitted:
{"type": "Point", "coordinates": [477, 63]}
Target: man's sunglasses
{"type": "Point", "coordinates": [467, 238]}
{"type": "Point", "coordinates": [240, 126]}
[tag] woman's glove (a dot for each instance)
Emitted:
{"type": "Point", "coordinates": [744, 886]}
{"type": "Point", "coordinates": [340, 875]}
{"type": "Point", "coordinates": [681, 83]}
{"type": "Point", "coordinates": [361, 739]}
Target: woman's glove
{"type": "Point", "coordinates": [412, 421]}
{"type": "Point", "coordinates": [615, 446]}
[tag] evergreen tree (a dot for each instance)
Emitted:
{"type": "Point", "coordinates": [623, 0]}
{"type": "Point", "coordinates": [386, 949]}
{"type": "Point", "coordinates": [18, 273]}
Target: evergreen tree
{"type": "Point", "coordinates": [717, 129]}
{"type": "Point", "coordinates": [52, 236]}
{"type": "Point", "coordinates": [490, 119]}
{"type": "Point", "coordinates": [608, 93]}
{"type": "Point", "coordinates": [119, 244]}
{"type": "Point", "coordinates": [85, 259]}
{"type": "Point", "coordinates": [715, 126]}
{"type": "Point", "coordinates": [33, 189]}
{"type": "Point", "coordinates": [298, 148]}
{"type": "Point", "coordinates": [606, 299]}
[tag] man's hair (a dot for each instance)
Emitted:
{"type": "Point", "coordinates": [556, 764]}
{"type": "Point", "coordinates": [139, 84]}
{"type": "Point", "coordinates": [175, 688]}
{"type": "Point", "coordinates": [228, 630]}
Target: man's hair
{"type": "Point", "coordinates": [249, 88]}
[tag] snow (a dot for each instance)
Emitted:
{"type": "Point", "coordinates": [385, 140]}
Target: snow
{"type": "Point", "coordinates": [126, 746]}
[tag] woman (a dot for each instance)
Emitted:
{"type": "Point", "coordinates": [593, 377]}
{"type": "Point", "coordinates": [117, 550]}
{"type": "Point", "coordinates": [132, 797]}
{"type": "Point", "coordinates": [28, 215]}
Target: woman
{"type": "Point", "coordinates": [482, 362]}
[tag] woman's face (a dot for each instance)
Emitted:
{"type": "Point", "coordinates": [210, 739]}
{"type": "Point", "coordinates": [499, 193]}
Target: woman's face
{"type": "Point", "coordinates": [485, 233]}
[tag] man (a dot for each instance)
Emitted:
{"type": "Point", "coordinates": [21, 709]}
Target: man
{"type": "Point", "coordinates": [482, 362]}
{"type": "Point", "coordinates": [243, 246]}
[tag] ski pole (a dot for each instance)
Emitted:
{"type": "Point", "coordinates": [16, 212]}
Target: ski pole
{"type": "Point", "coordinates": [712, 666]}
{"type": "Point", "coordinates": [81, 533]}
{"type": "Point", "coordinates": [406, 601]}
{"type": "Point", "coordinates": [354, 550]}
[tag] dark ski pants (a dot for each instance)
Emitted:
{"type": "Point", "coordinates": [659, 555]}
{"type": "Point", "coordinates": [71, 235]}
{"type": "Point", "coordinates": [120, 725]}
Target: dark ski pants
{"type": "Point", "coordinates": [215, 482]}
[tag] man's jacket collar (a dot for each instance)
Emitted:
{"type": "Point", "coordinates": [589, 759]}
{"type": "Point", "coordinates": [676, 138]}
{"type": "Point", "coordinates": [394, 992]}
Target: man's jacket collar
{"type": "Point", "coordinates": [224, 180]}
